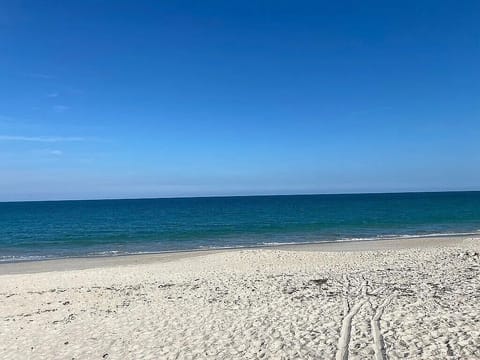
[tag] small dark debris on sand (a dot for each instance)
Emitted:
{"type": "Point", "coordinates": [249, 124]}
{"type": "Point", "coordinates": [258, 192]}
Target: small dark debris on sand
{"type": "Point", "coordinates": [163, 286]}
{"type": "Point", "coordinates": [319, 282]}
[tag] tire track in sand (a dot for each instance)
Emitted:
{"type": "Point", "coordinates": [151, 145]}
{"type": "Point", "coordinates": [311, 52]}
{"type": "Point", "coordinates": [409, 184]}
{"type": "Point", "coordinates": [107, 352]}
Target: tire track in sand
{"type": "Point", "coordinates": [378, 343]}
{"type": "Point", "coordinates": [344, 340]}
{"type": "Point", "coordinates": [349, 314]}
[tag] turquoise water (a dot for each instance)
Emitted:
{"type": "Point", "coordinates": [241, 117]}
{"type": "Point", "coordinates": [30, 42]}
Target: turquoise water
{"type": "Point", "coordinates": [40, 230]}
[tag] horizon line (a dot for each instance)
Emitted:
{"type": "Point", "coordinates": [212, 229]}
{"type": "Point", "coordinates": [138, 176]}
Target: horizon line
{"type": "Point", "coordinates": [251, 195]}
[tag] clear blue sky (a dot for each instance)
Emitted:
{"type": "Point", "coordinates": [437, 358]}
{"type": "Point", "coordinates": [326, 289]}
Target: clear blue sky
{"type": "Point", "coordinates": [104, 99]}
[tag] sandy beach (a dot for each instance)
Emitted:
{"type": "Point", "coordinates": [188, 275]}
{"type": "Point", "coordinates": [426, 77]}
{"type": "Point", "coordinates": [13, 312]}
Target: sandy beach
{"type": "Point", "coordinates": [408, 298]}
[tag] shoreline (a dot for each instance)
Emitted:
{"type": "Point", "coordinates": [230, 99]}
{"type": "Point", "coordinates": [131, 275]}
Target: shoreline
{"type": "Point", "coordinates": [91, 262]}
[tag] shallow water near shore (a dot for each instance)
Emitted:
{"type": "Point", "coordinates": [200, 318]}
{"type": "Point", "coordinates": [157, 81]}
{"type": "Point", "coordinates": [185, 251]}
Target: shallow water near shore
{"type": "Point", "coordinates": [42, 230]}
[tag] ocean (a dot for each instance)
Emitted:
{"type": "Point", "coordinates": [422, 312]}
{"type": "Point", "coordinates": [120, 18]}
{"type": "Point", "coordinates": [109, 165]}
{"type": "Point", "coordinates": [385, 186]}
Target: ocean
{"type": "Point", "coordinates": [60, 229]}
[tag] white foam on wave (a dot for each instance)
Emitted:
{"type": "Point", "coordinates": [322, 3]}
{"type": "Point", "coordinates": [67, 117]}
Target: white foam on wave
{"type": "Point", "coordinates": [378, 237]}
{"type": "Point", "coordinates": [276, 243]}
{"type": "Point", "coordinates": [14, 258]}
{"type": "Point", "coordinates": [107, 253]}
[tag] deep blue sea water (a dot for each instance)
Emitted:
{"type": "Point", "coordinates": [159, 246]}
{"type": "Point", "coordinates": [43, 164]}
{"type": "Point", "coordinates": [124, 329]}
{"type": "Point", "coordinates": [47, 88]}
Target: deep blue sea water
{"type": "Point", "coordinates": [40, 230]}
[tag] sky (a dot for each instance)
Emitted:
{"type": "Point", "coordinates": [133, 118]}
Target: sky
{"type": "Point", "coordinates": [127, 99]}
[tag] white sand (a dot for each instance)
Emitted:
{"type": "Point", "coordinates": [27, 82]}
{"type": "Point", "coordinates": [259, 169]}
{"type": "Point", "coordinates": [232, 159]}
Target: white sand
{"type": "Point", "coordinates": [415, 299]}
